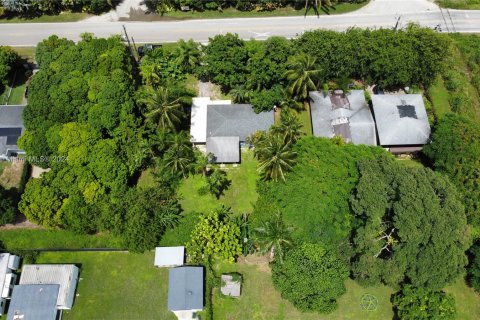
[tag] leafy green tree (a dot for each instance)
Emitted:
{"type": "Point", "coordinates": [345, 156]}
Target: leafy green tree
{"type": "Point", "coordinates": [267, 99]}
{"type": "Point", "coordinates": [275, 157]}
{"type": "Point", "coordinates": [240, 94]}
{"type": "Point", "coordinates": [218, 182]}
{"type": "Point", "coordinates": [274, 236]}
{"type": "Point", "coordinates": [148, 214]}
{"type": "Point", "coordinates": [455, 151]}
{"type": "Point", "coordinates": [411, 226]}
{"type": "Point", "coordinates": [473, 269]}
{"type": "Point", "coordinates": [289, 127]}
{"type": "Point", "coordinates": [162, 108]}
{"type": "Point", "coordinates": [302, 75]}
{"type": "Point", "coordinates": [179, 157]}
{"type": "Point", "coordinates": [421, 304]}
{"type": "Point", "coordinates": [8, 59]}
{"type": "Point", "coordinates": [8, 208]}
{"type": "Point", "coordinates": [311, 277]}
{"type": "Point", "coordinates": [214, 236]}
{"type": "Point", "coordinates": [226, 60]}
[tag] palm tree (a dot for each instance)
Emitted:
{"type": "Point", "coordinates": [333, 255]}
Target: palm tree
{"type": "Point", "coordinates": [302, 75]}
{"type": "Point", "coordinates": [180, 155]}
{"type": "Point", "coordinates": [187, 55]}
{"type": "Point", "coordinates": [150, 74]}
{"type": "Point", "coordinates": [240, 94]}
{"type": "Point", "coordinates": [162, 107]}
{"type": "Point", "coordinates": [289, 127]}
{"type": "Point", "coordinates": [275, 157]}
{"type": "Point", "coordinates": [274, 236]}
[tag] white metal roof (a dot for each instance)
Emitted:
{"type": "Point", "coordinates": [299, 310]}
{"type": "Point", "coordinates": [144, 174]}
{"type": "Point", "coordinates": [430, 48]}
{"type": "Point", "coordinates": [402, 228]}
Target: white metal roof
{"type": "Point", "coordinates": [198, 120]}
{"type": "Point", "coordinates": [7, 264]}
{"type": "Point", "coordinates": [411, 128]}
{"type": "Point", "coordinates": [169, 256]}
{"type": "Point", "coordinates": [64, 275]}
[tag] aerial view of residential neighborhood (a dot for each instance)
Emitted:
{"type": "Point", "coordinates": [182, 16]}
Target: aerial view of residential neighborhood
{"type": "Point", "coordinates": [240, 159]}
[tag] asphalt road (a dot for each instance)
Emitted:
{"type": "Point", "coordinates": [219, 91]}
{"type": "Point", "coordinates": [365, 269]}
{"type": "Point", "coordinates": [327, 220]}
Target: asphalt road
{"type": "Point", "coordinates": [28, 34]}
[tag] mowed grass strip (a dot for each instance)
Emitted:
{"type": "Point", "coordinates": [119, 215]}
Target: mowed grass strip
{"type": "Point", "coordinates": [116, 286]}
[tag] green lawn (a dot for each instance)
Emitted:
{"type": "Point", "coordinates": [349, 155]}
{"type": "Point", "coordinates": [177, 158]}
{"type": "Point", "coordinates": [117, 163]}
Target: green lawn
{"type": "Point", "coordinates": [62, 17]}
{"type": "Point", "coordinates": [414, 163]}
{"type": "Point", "coordinates": [3, 165]}
{"type": "Point", "coordinates": [27, 53]}
{"type": "Point", "coordinates": [305, 118]}
{"type": "Point", "coordinates": [116, 286]}
{"type": "Point", "coordinates": [460, 4]}
{"type": "Point", "coordinates": [439, 97]}
{"type": "Point", "coordinates": [467, 300]}
{"type": "Point", "coordinates": [24, 239]}
{"type": "Point", "coordinates": [240, 196]}
{"type": "Point", "coordinates": [281, 12]}
{"type": "Point", "coordinates": [15, 95]}
{"type": "Point", "coordinates": [260, 300]}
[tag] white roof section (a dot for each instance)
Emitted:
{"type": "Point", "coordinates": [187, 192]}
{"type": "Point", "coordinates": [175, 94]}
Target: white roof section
{"type": "Point", "coordinates": [8, 263]}
{"type": "Point", "coordinates": [401, 119]}
{"type": "Point", "coordinates": [65, 275]}
{"type": "Point", "coordinates": [198, 120]}
{"type": "Point", "coordinates": [346, 115]}
{"type": "Point", "coordinates": [169, 256]}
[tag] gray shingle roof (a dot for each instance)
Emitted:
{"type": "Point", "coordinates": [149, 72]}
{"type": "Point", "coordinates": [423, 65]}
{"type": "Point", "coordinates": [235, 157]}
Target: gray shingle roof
{"type": "Point", "coordinates": [401, 119]}
{"type": "Point", "coordinates": [34, 302]}
{"type": "Point", "coordinates": [185, 288]}
{"type": "Point", "coordinates": [11, 127]}
{"type": "Point", "coordinates": [236, 120]}
{"type": "Point", "coordinates": [346, 115]}
{"type": "Point", "coordinates": [224, 149]}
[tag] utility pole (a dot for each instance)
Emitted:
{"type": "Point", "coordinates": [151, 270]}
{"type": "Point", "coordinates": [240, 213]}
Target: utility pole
{"type": "Point", "coordinates": [132, 50]}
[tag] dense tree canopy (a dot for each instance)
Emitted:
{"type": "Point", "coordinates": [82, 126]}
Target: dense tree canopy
{"type": "Point", "coordinates": [311, 277]}
{"type": "Point", "coordinates": [474, 266]}
{"type": "Point", "coordinates": [411, 226]}
{"type": "Point", "coordinates": [8, 208]}
{"type": "Point", "coordinates": [8, 59]}
{"type": "Point", "coordinates": [420, 304]}
{"type": "Point", "coordinates": [455, 150]}
{"type": "Point", "coordinates": [320, 184]}
{"type": "Point", "coordinates": [215, 235]}
{"type": "Point", "coordinates": [38, 7]}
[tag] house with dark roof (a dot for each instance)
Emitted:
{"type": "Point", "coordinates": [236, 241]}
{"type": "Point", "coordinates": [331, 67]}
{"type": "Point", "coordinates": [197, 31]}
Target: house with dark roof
{"type": "Point", "coordinates": [185, 291]}
{"type": "Point", "coordinates": [342, 114]}
{"type": "Point", "coordinates": [220, 129]}
{"type": "Point", "coordinates": [11, 128]}
{"type": "Point", "coordinates": [402, 122]}
{"type": "Point", "coordinates": [35, 302]}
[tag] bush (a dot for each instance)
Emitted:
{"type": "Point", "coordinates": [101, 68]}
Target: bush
{"type": "Point", "coordinates": [311, 277]}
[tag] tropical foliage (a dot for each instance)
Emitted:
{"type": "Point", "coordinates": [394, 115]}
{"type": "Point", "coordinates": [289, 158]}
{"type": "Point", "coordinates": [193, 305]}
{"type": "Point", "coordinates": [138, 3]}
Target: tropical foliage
{"type": "Point", "coordinates": [311, 277]}
{"type": "Point", "coordinates": [274, 237]}
{"type": "Point", "coordinates": [8, 59]}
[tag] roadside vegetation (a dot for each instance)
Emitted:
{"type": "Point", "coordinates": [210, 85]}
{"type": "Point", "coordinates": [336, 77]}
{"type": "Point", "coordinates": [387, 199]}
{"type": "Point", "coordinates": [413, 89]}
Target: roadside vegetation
{"type": "Point", "coordinates": [460, 4]}
{"type": "Point", "coordinates": [299, 215]}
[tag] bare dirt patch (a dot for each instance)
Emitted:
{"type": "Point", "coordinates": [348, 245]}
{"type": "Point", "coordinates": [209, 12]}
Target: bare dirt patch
{"type": "Point", "coordinates": [261, 262]}
{"type": "Point", "coordinates": [12, 175]}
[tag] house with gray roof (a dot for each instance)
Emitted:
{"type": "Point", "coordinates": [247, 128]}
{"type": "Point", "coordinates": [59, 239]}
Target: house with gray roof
{"type": "Point", "coordinates": [63, 275]}
{"type": "Point", "coordinates": [223, 127]}
{"type": "Point", "coordinates": [185, 290]}
{"type": "Point", "coordinates": [9, 263]}
{"type": "Point", "coordinates": [402, 122]}
{"type": "Point", "coordinates": [11, 128]}
{"type": "Point", "coordinates": [346, 115]}
{"type": "Point", "coordinates": [34, 302]}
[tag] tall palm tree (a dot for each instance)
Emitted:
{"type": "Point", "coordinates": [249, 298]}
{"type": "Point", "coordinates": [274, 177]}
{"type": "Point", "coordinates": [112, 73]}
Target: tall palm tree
{"type": "Point", "coordinates": [162, 107]}
{"type": "Point", "coordinates": [303, 76]}
{"type": "Point", "coordinates": [187, 55]}
{"type": "Point", "coordinates": [180, 156]}
{"type": "Point", "coordinates": [290, 127]}
{"type": "Point", "coordinates": [274, 236]}
{"type": "Point", "coordinates": [240, 94]}
{"type": "Point", "coordinates": [275, 157]}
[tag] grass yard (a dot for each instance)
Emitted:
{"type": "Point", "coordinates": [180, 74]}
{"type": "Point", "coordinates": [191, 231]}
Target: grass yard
{"type": "Point", "coordinates": [117, 286]}
{"type": "Point", "coordinates": [306, 120]}
{"type": "Point", "coordinates": [414, 163]}
{"type": "Point", "coordinates": [240, 196]}
{"type": "Point", "coordinates": [62, 17]}
{"type": "Point", "coordinates": [460, 4]}
{"type": "Point", "coordinates": [14, 95]}
{"type": "Point", "coordinates": [27, 53]}
{"type": "Point", "coordinates": [25, 239]}
{"type": "Point", "coordinates": [438, 95]}
{"type": "Point", "coordinates": [260, 300]}
{"type": "Point", "coordinates": [467, 300]}
{"type": "Point", "coordinates": [280, 12]}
